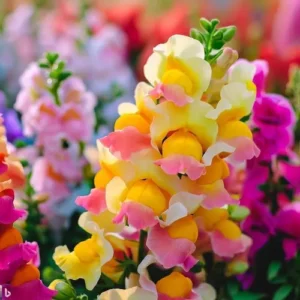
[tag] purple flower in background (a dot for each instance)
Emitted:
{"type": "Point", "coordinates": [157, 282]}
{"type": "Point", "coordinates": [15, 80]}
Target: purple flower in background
{"type": "Point", "coordinates": [274, 117]}
{"type": "Point", "coordinates": [259, 226]}
{"type": "Point", "coordinates": [11, 121]}
{"type": "Point", "coordinates": [271, 112]}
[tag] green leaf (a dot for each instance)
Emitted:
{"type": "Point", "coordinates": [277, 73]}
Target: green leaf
{"type": "Point", "coordinates": [283, 292]}
{"type": "Point", "coordinates": [43, 65]}
{"type": "Point", "coordinates": [279, 279]}
{"type": "Point", "coordinates": [218, 35]}
{"type": "Point", "coordinates": [215, 56]}
{"type": "Point", "coordinates": [64, 75]}
{"type": "Point", "coordinates": [52, 57]}
{"type": "Point", "coordinates": [20, 144]}
{"type": "Point", "coordinates": [246, 118]}
{"type": "Point", "coordinates": [233, 288]}
{"type": "Point", "coordinates": [229, 33]}
{"type": "Point", "coordinates": [206, 24]}
{"type": "Point", "coordinates": [248, 296]}
{"type": "Point", "coordinates": [217, 44]}
{"type": "Point", "coordinates": [273, 269]}
{"type": "Point", "coordinates": [194, 33]}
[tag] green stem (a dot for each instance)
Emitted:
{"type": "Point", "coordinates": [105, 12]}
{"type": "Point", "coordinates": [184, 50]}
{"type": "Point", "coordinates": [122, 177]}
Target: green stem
{"type": "Point", "coordinates": [54, 91]}
{"type": "Point", "coordinates": [141, 253]}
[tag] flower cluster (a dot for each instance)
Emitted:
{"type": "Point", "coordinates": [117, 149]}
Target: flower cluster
{"type": "Point", "coordinates": [57, 111]}
{"type": "Point", "coordinates": [94, 49]}
{"type": "Point", "coordinates": [162, 174]}
{"type": "Point", "coordinates": [268, 184]}
{"type": "Point", "coordinates": [19, 275]}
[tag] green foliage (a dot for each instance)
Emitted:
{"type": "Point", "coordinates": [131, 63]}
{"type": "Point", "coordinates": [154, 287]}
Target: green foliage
{"type": "Point", "coordinates": [274, 269]}
{"type": "Point", "coordinates": [283, 292]}
{"type": "Point", "coordinates": [213, 38]}
{"type": "Point", "coordinates": [56, 71]}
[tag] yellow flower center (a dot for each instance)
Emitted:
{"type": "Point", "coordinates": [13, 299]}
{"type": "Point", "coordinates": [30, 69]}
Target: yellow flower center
{"type": "Point", "coordinates": [251, 86]}
{"type": "Point", "coordinates": [86, 251]}
{"type": "Point", "coordinates": [102, 178]}
{"type": "Point", "coordinates": [177, 77]}
{"type": "Point", "coordinates": [234, 129]}
{"type": "Point", "coordinates": [25, 274]}
{"type": "Point", "coordinates": [217, 170]}
{"type": "Point", "coordinates": [184, 143]}
{"type": "Point", "coordinates": [184, 228]}
{"type": "Point", "coordinates": [135, 120]}
{"type": "Point", "coordinates": [229, 229]}
{"type": "Point", "coordinates": [149, 194]}
{"type": "Point", "coordinates": [175, 285]}
{"type": "Point", "coordinates": [211, 217]}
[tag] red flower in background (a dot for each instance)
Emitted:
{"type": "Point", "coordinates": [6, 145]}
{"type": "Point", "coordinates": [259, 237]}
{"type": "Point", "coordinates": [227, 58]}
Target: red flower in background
{"type": "Point", "coordinates": [128, 17]}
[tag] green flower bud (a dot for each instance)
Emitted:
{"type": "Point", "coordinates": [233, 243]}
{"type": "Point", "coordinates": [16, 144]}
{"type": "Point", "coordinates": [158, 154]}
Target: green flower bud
{"type": "Point", "coordinates": [214, 22]}
{"type": "Point", "coordinates": [217, 44]}
{"type": "Point", "coordinates": [205, 24]}
{"type": "Point", "coordinates": [238, 213]}
{"type": "Point", "coordinates": [64, 290]}
{"type": "Point", "coordinates": [236, 267]}
{"type": "Point", "coordinates": [229, 33]}
{"type": "Point", "coordinates": [218, 35]}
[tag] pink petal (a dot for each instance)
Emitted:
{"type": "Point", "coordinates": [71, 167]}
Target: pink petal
{"type": "Point", "coordinates": [32, 290]}
{"type": "Point", "coordinates": [245, 149]}
{"type": "Point", "coordinates": [94, 202]}
{"type": "Point", "coordinates": [216, 195]}
{"type": "Point", "coordinates": [182, 164]}
{"type": "Point", "coordinates": [138, 215]}
{"type": "Point", "coordinates": [8, 213]}
{"type": "Point", "coordinates": [14, 257]}
{"type": "Point", "coordinates": [171, 92]}
{"type": "Point", "coordinates": [189, 263]}
{"type": "Point", "coordinates": [290, 248]}
{"type": "Point", "coordinates": [124, 143]}
{"type": "Point", "coordinates": [229, 248]}
{"type": "Point", "coordinates": [168, 252]}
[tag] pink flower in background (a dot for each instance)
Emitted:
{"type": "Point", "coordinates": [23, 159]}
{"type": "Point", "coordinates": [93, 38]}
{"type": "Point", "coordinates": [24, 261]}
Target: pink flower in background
{"type": "Point", "coordinates": [288, 222]}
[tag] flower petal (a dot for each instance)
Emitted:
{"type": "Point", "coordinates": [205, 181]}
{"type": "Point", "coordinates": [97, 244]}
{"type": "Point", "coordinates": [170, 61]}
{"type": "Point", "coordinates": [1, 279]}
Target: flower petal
{"type": "Point", "coordinates": [94, 202]}
{"type": "Point", "coordinates": [182, 164]}
{"type": "Point", "coordinates": [216, 195]}
{"type": "Point", "coordinates": [229, 248]}
{"type": "Point", "coordinates": [138, 215]}
{"type": "Point", "coordinates": [168, 252]}
{"type": "Point", "coordinates": [119, 145]}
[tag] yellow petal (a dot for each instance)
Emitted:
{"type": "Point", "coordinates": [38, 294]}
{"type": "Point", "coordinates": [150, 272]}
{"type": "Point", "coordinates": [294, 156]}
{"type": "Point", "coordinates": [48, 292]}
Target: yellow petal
{"type": "Point", "coordinates": [135, 293]}
{"type": "Point", "coordinates": [184, 228]}
{"type": "Point", "coordinates": [191, 117]}
{"type": "Point", "coordinates": [134, 120]}
{"type": "Point", "coordinates": [211, 217]}
{"type": "Point", "coordinates": [175, 285]}
{"type": "Point", "coordinates": [229, 229]}
{"type": "Point", "coordinates": [234, 129]}
{"type": "Point", "coordinates": [184, 143]}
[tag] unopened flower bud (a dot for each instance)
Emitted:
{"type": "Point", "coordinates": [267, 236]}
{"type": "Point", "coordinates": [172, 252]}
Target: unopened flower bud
{"type": "Point", "coordinates": [236, 267]}
{"type": "Point", "coordinates": [65, 290]}
{"type": "Point", "coordinates": [224, 62]}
